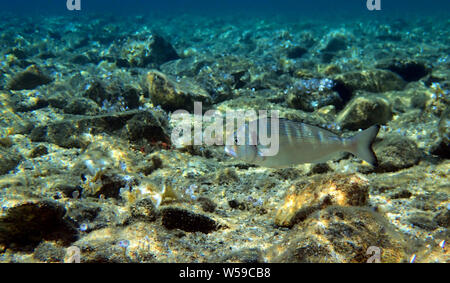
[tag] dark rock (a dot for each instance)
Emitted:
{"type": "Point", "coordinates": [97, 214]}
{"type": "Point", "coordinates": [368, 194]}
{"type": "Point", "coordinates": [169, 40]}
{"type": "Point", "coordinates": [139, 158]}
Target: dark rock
{"type": "Point", "coordinates": [81, 106]}
{"type": "Point", "coordinates": [443, 218]}
{"type": "Point", "coordinates": [253, 255]}
{"type": "Point", "coordinates": [374, 80]}
{"type": "Point", "coordinates": [83, 212]}
{"type": "Point", "coordinates": [38, 151]}
{"type": "Point", "coordinates": [80, 59]}
{"type": "Point", "coordinates": [177, 218]}
{"type": "Point", "coordinates": [46, 55]}
{"type": "Point", "coordinates": [442, 148]}
{"type": "Point", "coordinates": [110, 185]}
{"type": "Point", "coordinates": [65, 134]}
{"type": "Point", "coordinates": [320, 168]}
{"type": "Point", "coordinates": [154, 163]}
{"type": "Point", "coordinates": [24, 226]}
{"type": "Point", "coordinates": [144, 210]}
{"type": "Point", "coordinates": [402, 194]}
{"type": "Point", "coordinates": [30, 78]}
{"type": "Point", "coordinates": [306, 197]}
{"type": "Point", "coordinates": [173, 95]}
{"type": "Point", "coordinates": [207, 204]}
{"type": "Point", "coordinates": [396, 152]}
{"type": "Point", "coordinates": [340, 234]}
{"type": "Point", "coordinates": [296, 52]}
{"type": "Point", "coordinates": [335, 44]}
{"type": "Point", "coordinates": [150, 125]}
{"type": "Point", "coordinates": [97, 92]}
{"type": "Point", "coordinates": [419, 100]}
{"type": "Point", "coordinates": [6, 142]}
{"type": "Point", "coordinates": [407, 69]}
{"type": "Point", "coordinates": [120, 97]}
{"type": "Point", "coordinates": [49, 252]}
{"type": "Point", "coordinates": [188, 67]}
{"type": "Point", "coordinates": [152, 52]}
{"type": "Point", "coordinates": [363, 112]}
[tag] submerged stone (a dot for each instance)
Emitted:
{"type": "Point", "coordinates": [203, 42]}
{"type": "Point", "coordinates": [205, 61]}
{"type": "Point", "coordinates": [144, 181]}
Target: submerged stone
{"type": "Point", "coordinates": [396, 152]}
{"type": "Point", "coordinates": [172, 94]}
{"type": "Point", "coordinates": [30, 78]}
{"type": "Point", "coordinates": [304, 198]}
{"type": "Point", "coordinates": [26, 224]}
{"type": "Point", "coordinates": [178, 218]}
{"type": "Point", "coordinates": [153, 51]}
{"type": "Point", "coordinates": [409, 70]}
{"type": "Point", "coordinates": [373, 80]}
{"type": "Point", "coordinates": [363, 112]}
{"type": "Point", "coordinates": [341, 234]}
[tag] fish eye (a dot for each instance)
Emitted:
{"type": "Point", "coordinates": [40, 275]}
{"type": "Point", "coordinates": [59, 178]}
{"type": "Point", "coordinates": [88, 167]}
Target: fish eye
{"type": "Point", "coordinates": [236, 140]}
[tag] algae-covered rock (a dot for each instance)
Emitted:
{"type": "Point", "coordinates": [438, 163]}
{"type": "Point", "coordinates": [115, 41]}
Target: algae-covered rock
{"type": "Point", "coordinates": [396, 152]}
{"type": "Point", "coordinates": [332, 44]}
{"type": "Point", "coordinates": [341, 234]}
{"type": "Point", "coordinates": [312, 94]}
{"type": "Point", "coordinates": [150, 125]}
{"type": "Point", "coordinates": [363, 112]}
{"type": "Point", "coordinates": [172, 94]}
{"type": "Point", "coordinates": [26, 223]}
{"type": "Point", "coordinates": [153, 51]}
{"type": "Point", "coordinates": [143, 210]}
{"type": "Point", "coordinates": [49, 252]}
{"type": "Point", "coordinates": [442, 148]}
{"type": "Point", "coordinates": [409, 70]}
{"type": "Point", "coordinates": [306, 197]}
{"type": "Point", "coordinates": [373, 80]}
{"type": "Point", "coordinates": [30, 78]}
{"type": "Point", "coordinates": [178, 218]}
{"type": "Point", "coordinates": [9, 160]}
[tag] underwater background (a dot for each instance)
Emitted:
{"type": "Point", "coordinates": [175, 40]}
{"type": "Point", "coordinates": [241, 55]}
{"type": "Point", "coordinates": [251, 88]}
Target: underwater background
{"type": "Point", "coordinates": [88, 166]}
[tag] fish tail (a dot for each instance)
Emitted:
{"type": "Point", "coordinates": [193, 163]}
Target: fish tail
{"type": "Point", "coordinates": [361, 144]}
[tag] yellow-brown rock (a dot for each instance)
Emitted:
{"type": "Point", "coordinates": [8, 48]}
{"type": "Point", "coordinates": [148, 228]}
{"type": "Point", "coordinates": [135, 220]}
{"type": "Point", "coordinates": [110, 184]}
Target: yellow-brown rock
{"type": "Point", "coordinates": [306, 197]}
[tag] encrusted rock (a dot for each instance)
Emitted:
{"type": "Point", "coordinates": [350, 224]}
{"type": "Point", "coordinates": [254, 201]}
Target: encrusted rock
{"type": "Point", "coordinates": [306, 197]}
{"type": "Point", "coordinates": [9, 160]}
{"type": "Point", "coordinates": [172, 94]}
{"type": "Point", "coordinates": [396, 152]}
{"type": "Point", "coordinates": [363, 112]}
{"type": "Point", "coordinates": [409, 70]}
{"type": "Point", "coordinates": [27, 223]}
{"type": "Point", "coordinates": [312, 94]}
{"type": "Point", "coordinates": [442, 148]}
{"type": "Point", "coordinates": [113, 95]}
{"type": "Point", "coordinates": [144, 210]}
{"type": "Point", "coordinates": [69, 133]}
{"type": "Point", "coordinates": [374, 80]}
{"type": "Point", "coordinates": [153, 51]}
{"type": "Point", "coordinates": [30, 78]}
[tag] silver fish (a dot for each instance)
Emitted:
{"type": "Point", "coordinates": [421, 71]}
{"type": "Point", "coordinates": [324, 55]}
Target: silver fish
{"type": "Point", "coordinates": [300, 143]}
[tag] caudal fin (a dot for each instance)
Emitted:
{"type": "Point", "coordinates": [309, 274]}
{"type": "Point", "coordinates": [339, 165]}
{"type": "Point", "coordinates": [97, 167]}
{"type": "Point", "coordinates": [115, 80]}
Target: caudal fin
{"type": "Point", "coordinates": [361, 145]}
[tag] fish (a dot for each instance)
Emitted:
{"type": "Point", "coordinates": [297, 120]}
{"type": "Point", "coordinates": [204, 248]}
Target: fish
{"type": "Point", "coordinates": [298, 143]}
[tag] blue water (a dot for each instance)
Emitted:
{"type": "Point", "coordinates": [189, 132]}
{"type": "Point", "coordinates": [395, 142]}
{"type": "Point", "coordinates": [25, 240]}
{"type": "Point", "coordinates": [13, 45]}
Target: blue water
{"type": "Point", "coordinates": [288, 7]}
